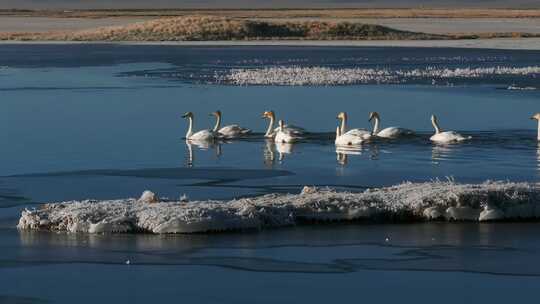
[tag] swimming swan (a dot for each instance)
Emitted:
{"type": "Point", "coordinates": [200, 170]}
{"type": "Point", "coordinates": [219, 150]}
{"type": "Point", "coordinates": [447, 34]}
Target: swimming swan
{"type": "Point", "coordinates": [446, 136]}
{"type": "Point", "coordinates": [285, 135]}
{"type": "Point", "coordinates": [230, 131]}
{"type": "Point", "coordinates": [203, 135]}
{"type": "Point", "coordinates": [271, 132]}
{"type": "Point", "coordinates": [390, 132]}
{"type": "Point", "coordinates": [352, 137]}
{"type": "Point", "coordinates": [537, 117]}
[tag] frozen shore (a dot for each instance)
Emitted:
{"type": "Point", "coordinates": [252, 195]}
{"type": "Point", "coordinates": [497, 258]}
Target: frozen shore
{"type": "Point", "coordinates": [404, 202]}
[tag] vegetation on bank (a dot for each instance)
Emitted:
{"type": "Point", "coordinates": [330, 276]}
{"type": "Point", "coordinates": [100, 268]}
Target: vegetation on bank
{"type": "Point", "coordinates": [209, 28]}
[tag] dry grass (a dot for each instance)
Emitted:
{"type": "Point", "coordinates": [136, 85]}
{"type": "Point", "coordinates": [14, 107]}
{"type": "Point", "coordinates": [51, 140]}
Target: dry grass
{"type": "Point", "coordinates": [210, 28]}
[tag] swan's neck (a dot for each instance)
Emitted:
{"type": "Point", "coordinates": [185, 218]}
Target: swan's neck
{"type": "Point", "coordinates": [190, 128]}
{"type": "Point", "coordinates": [338, 132]}
{"type": "Point", "coordinates": [343, 125]}
{"type": "Point", "coordinates": [218, 123]}
{"type": "Point", "coordinates": [436, 126]}
{"type": "Point", "coordinates": [376, 126]}
{"type": "Point", "coordinates": [270, 129]}
{"type": "Point", "coordinates": [538, 134]}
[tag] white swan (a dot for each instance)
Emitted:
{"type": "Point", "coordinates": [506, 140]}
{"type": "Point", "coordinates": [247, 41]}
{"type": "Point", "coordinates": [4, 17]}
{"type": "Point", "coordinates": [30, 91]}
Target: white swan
{"type": "Point", "coordinates": [230, 131]}
{"type": "Point", "coordinates": [271, 132]}
{"type": "Point", "coordinates": [203, 135]}
{"type": "Point", "coordinates": [537, 118]}
{"type": "Point", "coordinates": [285, 135]}
{"type": "Point", "coordinates": [445, 136]}
{"type": "Point", "coordinates": [351, 137]}
{"type": "Point", "coordinates": [390, 132]}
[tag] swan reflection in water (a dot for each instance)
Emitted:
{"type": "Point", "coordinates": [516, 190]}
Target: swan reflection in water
{"type": "Point", "coordinates": [441, 152]}
{"type": "Point", "coordinates": [343, 152]}
{"type": "Point", "coordinates": [268, 153]}
{"type": "Point", "coordinates": [201, 145]}
{"type": "Point", "coordinates": [538, 157]}
{"type": "Point", "coordinates": [283, 149]}
{"type": "Point", "coordinates": [270, 148]}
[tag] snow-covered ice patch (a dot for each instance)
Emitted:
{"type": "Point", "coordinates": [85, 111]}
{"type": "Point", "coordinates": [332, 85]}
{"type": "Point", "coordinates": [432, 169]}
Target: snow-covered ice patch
{"type": "Point", "coordinates": [299, 76]}
{"type": "Point", "coordinates": [405, 202]}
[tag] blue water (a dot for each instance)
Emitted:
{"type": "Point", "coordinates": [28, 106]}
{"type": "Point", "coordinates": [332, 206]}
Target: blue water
{"type": "Point", "coordinates": [103, 121]}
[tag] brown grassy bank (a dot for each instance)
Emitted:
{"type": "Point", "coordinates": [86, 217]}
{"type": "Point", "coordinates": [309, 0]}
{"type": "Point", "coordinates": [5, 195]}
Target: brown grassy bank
{"type": "Point", "coordinates": [210, 28]}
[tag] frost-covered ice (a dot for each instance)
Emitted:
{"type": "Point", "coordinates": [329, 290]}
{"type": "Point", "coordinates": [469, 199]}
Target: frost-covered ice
{"type": "Point", "coordinates": [298, 76]}
{"type": "Point", "coordinates": [404, 202]}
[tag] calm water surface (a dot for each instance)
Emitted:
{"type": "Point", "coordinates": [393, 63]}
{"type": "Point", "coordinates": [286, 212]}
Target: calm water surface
{"type": "Point", "coordinates": [103, 121]}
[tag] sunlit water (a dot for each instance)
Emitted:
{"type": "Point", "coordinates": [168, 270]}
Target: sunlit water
{"type": "Point", "coordinates": [103, 121]}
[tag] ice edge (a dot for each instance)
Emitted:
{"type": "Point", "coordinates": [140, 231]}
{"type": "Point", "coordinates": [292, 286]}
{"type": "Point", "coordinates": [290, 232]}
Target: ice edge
{"type": "Point", "coordinates": [488, 201]}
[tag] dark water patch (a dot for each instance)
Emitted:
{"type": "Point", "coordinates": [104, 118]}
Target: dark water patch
{"type": "Point", "coordinates": [291, 256]}
{"type": "Point", "coordinates": [86, 88]}
{"type": "Point", "coordinates": [80, 55]}
{"type": "Point", "coordinates": [9, 299]}
{"type": "Point", "coordinates": [171, 173]}
{"type": "Point", "coordinates": [11, 197]}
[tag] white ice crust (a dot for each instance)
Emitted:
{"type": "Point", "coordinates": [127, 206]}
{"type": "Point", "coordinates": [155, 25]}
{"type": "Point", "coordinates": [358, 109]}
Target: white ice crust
{"type": "Point", "coordinates": [489, 201]}
{"type": "Point", "coordinates": [299, 76]}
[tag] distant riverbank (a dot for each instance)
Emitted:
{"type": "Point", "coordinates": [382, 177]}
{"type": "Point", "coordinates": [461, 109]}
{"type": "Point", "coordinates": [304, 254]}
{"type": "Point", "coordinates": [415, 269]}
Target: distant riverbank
{"type": "Point", "coordinates": [272, 25]}
{"type": "Point", "coordinates": [496, 43]}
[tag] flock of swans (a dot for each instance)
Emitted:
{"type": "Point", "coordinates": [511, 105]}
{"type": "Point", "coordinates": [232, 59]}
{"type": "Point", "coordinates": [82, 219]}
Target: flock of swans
{"type": "Point", "coordinates": [288, 134]}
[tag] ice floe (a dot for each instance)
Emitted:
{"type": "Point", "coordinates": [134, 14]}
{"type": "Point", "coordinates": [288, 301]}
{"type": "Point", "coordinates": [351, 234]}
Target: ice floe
{"type": "Point", "coordinates": [405, 202]}
{"type": "Point", "coordinates": [299, 76]}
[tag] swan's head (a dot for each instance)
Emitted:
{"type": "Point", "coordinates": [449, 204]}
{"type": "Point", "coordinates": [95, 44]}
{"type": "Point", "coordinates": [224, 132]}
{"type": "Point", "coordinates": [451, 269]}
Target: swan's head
{"type": "Point", "coordinates": [188, 115]}
{"type": "Point", "coordinates": [373, 115]}
{"type": "Point", "coordinates": [342, 115]}
{"type": "Point", "coordinates": [433, 118]}
{"type": "Point", "coordinates": [216, 113]}
{"type": "Point", "coordinates": [281, 123]}
{"type": "Point", "coordinates": [536, 116]}
{"type": "Point", "coordinates": [268, 114]}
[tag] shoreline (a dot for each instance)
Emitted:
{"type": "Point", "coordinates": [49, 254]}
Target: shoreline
{"type": "Point", "coordinates": [532, 44]}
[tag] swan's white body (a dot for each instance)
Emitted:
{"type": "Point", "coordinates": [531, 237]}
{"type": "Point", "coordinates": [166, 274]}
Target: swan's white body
{"type": "Point", "coordinates": [285, 135]}
{"type": "Point", "coordinates": [230, 131]}
{"type": "Point", "coordinates": [537, 118]}
{"type": "Point", "coordinates": [353, 137]}
{"type": "Point", "coordinates": [445, 136]}
{"type": "Point", "coordinates": [271, 132]}
{"type": "Point", "coordinates": [200, 136]}
{"type": "Point", "coordinates": [390, 132]}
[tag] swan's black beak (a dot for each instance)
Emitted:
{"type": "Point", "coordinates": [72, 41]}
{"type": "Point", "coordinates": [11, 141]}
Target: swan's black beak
{"type": "Point", "coordinates": [184, 116]}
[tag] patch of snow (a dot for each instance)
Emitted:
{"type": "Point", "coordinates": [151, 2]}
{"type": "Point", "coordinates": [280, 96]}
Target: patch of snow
{"type": "Point", "coordinates": [300, 76]}
{"type": "Point", "coordinates": [404, 202]}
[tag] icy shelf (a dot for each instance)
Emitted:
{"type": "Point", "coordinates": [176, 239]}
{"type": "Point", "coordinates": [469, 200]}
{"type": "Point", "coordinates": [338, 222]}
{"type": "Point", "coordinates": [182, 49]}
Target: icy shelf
{"type": "Point", "coordinates": [404, 202]}
{"type": "Point", "coordinates": [300, 76]}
